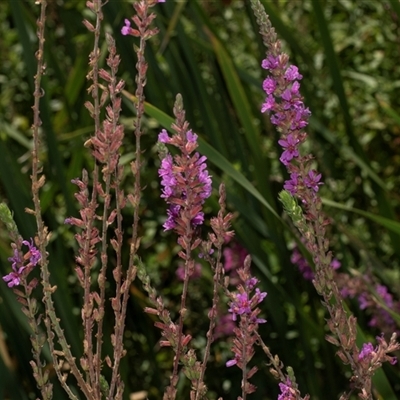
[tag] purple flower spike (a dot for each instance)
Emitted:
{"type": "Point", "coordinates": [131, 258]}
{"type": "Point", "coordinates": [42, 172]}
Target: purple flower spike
{"type": "Point", "coordinates": [284, 104]}
{"type": "Point", "coordinates": [243, 304]}
{"type": "Point", "coordinates": [185, 180]}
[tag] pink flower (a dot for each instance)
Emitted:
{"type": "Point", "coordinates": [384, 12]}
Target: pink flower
{"type": "Point", "coordinates": [292, 183]}
{"type": "Point", "coordinates": [14, 277]}
{"type": "Point", "coordinates": [163, 136]}
{"type": "Point", "coordinates": [313, 180]}
{"type": "Point", "coordinates": [291, 150]}
{"type": "Point", "coordinates": [127, 28]}
{"type": "Point", "coordinates": [366, 351]}
{"type": "Point", "coordinates": [287, 393]}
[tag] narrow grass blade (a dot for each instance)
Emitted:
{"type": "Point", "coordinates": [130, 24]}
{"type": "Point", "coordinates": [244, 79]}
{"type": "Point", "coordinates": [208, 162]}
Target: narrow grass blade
{"type": "Point", "coordinates": [391, 225]}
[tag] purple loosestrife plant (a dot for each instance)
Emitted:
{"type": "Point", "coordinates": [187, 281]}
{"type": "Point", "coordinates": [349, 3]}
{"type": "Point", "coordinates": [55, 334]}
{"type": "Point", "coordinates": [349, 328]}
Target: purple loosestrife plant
{"type": "Point", "coordinates": [186, 185]}
{"type": "Point", "coordinates": [29, 305]}
{"type": "Point", "coordinates": [288, 113]}
{"type": "Point", "coordinates": [105, 145]}
{"type": "Point", "coordinates": [172, 334]}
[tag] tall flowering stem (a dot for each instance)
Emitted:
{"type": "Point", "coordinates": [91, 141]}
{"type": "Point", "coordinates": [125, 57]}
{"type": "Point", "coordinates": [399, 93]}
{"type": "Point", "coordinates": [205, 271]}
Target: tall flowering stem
{"type": "Point", "coordinates": [105, 145]}
{"type": "Point", "coordinates": [285, 106]}
{"type": "Point", "coordinates": [172, 335]}
{"type": "Point", "coordinates": [107, 152]}
{"type": "Point", "coordinates": [288, 385]}
{"type": "Point", "coordinates": [87, 197]}
{"type": "Point", "coordinates": [142, 20]}
{"type": "Point", "coordinates": [107, 176]}
{"type": "Point", "coordinates": [244, 306]}
{"type": "Point", "coordinates": [221, 226]}
{"type": "Point", "coordinates": [186, 184]}
{"type": "Point", "coordinates": [172, 338]}
{"type": "Point", "coordinates": [51, 321]}
{"type": "Point", "coordinates": [22, 264]}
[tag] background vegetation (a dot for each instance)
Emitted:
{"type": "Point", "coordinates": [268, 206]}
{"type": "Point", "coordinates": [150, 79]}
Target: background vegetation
{"type": "Point", "coordinates": [209, 51]}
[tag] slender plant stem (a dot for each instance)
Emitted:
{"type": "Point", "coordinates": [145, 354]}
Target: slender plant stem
{"type": "Point", "coordinates": [213, 319]}
{"type": "Point", "coordinates": [93, 367]}
{"type": "Point", "coordinates": [182, 312]}
{"type": "Point", "coordinates": [136, 169]}
{"type": "Point", "coordinates": [37, 345]}
{"type": "Point", "coordinates": [37, 182]}
{"type": "Point", "coordinates": [244, 358]}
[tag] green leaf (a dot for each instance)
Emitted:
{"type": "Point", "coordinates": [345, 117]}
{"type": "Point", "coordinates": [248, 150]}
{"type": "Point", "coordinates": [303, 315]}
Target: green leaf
{"type": "Point", "coordinates": [391, 225]}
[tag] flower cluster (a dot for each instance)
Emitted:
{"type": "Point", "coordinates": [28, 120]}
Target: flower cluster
{"type": "Point", "coordinates": [369, 353]}
{"type": "Point", "coordinates": [244, 304]}
{"type": "Point", "coordinates": [304, 267]}
{"type": "Point", "coordinates": [287, 392]}
{"type": "Point", "coordinates": [18, 263]}
{"type": "Point", "coordinates": [285, 104]}
{"type": "Point", "coordinates": [287, 111]}
{"type": "Point", "coordinates": [126, 29]}
{"type": "Point", "coordinates": [185, 180]}
{"type": "Point", "coordinates": [358, 287]}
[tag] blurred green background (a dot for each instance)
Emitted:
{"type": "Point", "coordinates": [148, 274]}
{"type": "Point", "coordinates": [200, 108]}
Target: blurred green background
{"type": "Point", "coordinates": [210, 52]}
